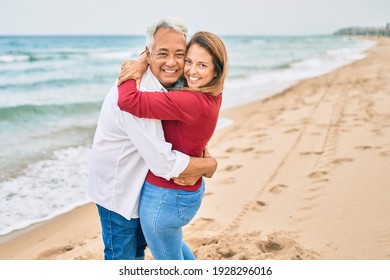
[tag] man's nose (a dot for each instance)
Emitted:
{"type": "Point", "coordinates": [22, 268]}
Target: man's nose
{"type": "Point", "coordinates": [171, 60]}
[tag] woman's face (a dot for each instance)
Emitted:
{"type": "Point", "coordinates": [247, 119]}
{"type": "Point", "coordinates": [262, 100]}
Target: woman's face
{"type": "Point", "coordinates": [198, 67]}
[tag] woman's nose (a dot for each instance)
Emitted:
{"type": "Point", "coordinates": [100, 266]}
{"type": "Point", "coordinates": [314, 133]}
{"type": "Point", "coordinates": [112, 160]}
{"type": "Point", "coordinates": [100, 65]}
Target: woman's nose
{"type": "Point", "coordinates": [191, 69]}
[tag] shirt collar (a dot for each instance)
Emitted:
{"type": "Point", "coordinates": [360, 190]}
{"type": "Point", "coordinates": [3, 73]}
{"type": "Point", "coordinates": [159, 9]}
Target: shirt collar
{"type": "Point", "coordinates": [149, 82]}
{"type": "Point", "coordinates": [179, 83]}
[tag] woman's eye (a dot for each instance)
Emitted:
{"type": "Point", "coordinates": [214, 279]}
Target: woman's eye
{"type": "Point", "coordinates": [187, 61]}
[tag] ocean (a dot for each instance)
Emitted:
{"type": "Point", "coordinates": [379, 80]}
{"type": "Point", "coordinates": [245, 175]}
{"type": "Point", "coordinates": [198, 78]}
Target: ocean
{"type": "Point", "coordinates": [52, 88]}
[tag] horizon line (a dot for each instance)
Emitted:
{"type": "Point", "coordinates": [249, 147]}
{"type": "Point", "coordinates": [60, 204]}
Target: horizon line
{"type": "Point", "coordinates": [112, 35]}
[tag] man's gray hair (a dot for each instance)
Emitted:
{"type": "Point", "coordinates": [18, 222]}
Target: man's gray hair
{"type": "Point", "coordinates": [174, 24]}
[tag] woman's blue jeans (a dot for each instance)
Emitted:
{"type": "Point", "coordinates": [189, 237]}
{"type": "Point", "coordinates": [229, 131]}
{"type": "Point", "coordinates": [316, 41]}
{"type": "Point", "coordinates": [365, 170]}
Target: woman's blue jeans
{"type": "Point", "coordinates": [163, 212]}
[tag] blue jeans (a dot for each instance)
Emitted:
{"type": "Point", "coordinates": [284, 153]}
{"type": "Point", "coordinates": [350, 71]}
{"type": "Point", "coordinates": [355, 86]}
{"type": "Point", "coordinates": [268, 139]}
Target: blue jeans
{"type": "Point", "coordinates": [123, 239]}
{"type": "Point", "coordinates": [163, 212]}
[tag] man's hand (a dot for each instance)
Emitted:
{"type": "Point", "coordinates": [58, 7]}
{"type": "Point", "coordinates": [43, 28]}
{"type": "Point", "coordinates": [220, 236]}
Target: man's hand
{"type": "Point", "coordinates": [206, 154]}
{"type": "Point", "coordinates": [133, 69]}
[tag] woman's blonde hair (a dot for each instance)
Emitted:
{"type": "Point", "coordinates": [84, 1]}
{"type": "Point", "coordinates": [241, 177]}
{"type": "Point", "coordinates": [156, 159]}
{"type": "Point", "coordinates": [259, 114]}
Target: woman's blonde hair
{"type": "Point", "coordinates": [216, 48]}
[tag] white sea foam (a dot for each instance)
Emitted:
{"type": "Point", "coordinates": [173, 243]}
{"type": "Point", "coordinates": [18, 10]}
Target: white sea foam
{"type": "Point", "coordinates": [119, 56]}
{"type": "Point", "coordinates": [223, 122]}
{"type": "Point", "coordinates": [264, 84]}
{"type": "Point", "coordinates": [48, 188]}
{"type": "Point", "coordinates": [13, 58]}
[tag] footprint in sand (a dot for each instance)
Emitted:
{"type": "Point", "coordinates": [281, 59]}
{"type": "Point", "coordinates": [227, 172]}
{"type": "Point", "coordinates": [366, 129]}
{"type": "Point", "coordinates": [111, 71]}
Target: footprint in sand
{"type": "Point", "coordinates": [87, 256]}
{"type": "Point", "coordinates": [267, 247]}
{"type": "Point", "coordinates": [315, 189]}
{"type": "Point", "coordinates": [208, 194]}
{"type": "Point", "coordinates": [341, 160]}
{"type": "Point", "coordinates": [278, 188]}
{"type": "Point", "coordinates": [311, 197]}
{"type": "Point", "coordinates": [221, 157]}
{"type": "Point", "coordinates": [238, 150]}
{"type": "Point", "coordinates": [308, 153]}
{"type": "Point", "coordinates": [228, 181]}
{"type": "Point", "coordinates": [301, 219]}
{"type": "Point", "coordinates": [306, 207]}
{"type": "Point", "coordinates": [377, 131]}
{"type": "Point", "coordinates": [317, 174]}
{"type": "Point", "coordinates": [204, 224]}
{"type": "Point", "coordinates": [363, 147]}
{"type": "Point", "coordinates": [316, 133]}
{"type": "Point", "coordinates": [51, 253]}
{"type": "Point", "coordinates": [259, 153]}
{"type": "Point", "coordinates": [385, 154]}
{"type": "Point", "coordinates": [260, 135]}
{"type": "Point", "coordinates": [291, 130]}
{"type": "Point", "coordinates": [258, 205]}
{"type": "Point", "coordinates": [321, 181]}
{"type": "Point", "coordinates": [264, 152]}
{"type": "Point", "coordinates": [367, 147]}
{"type": "Point", "coordinates": [276, 242]}
{"type": "Point", "coordinates": [232, 167]}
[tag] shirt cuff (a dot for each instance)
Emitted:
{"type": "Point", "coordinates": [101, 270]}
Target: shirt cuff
{"type": "Point", "coordinates": [181, 163]}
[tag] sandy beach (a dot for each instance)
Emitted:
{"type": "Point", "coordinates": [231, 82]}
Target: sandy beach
{"type": "Point", "coordinates": [301, 175]}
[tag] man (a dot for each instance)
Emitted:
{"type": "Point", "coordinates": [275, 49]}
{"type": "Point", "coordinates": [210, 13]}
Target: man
{"type": "Point", "coordinates": [125, 148]}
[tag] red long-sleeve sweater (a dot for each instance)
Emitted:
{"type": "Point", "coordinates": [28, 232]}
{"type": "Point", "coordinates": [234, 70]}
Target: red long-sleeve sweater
{"type": "Point", "coordinates": [188, 118]}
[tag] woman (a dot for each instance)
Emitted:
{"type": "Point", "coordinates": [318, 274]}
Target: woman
{"type": "Point", "coordinates": [189, 117]}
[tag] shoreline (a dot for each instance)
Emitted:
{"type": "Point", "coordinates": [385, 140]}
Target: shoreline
{"type": "Point", "coordinates": [36, 225]}
{"type": "Point", "coordinates": [279, 163]}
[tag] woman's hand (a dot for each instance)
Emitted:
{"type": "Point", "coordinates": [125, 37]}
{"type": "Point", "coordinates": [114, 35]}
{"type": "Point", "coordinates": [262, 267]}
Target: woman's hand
{"type": "Point", "coordinates": [186, 181]}
{"type": "Point", "coordinates": [133, 69]}
{"type": "Point", "coordinates": [189, 179]}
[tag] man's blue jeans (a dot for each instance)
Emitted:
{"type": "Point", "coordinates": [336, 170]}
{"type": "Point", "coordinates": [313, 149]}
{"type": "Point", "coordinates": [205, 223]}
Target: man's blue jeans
{"type": "Point", "coordinates": [163, 212]}
{"type": "Point", "coordinates": [123, 239]}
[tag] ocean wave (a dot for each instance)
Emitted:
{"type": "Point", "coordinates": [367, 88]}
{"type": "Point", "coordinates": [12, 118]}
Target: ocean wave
{"type": "Point", "coordinates": [281, 66]}
{"type": "Point", "coordinates": [58, 56]}
{"type": "Point", "coordinates": [34, 196]}
{"type": "Point", "coordinates": [244, 71]}
{"type": "Point", "coordinates": [37, 57]}
{"type": "Point", "coordinates": [53, 82]}
{"type": "Point", "coordinates": [110, 56]}
{"type": "Point", "coordinates": [30, 113]}
{"type": "Point", "coordinates": [13, 58]}
{"type": "Point", "coordinates": [17, 224]}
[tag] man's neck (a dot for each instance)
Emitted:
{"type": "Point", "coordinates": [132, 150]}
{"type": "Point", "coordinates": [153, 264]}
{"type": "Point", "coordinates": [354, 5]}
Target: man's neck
{"type": "Point", "coordinates": [150, 83]}
{"type": "Point", "coordinates": [149, 74]}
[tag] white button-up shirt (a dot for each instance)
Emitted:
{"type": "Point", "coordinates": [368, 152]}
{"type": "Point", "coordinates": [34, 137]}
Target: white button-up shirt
{"type": "Point", "coordinates": [124, 149]}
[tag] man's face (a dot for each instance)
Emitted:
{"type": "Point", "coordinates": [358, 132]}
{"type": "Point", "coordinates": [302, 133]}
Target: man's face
{"type": "Point", "coordinates": [167, 57]}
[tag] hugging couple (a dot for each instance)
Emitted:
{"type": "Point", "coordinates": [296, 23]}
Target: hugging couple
{"type": "Point", "coordinates": [149, 153]}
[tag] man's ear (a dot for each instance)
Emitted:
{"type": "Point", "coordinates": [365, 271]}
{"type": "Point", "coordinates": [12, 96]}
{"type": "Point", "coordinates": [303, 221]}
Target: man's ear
{"type": "Point", "coordinates": [147, 51]}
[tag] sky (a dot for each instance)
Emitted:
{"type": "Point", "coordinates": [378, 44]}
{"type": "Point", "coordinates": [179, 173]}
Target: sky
{"type": "Point", "coordinates": [229, 17]}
